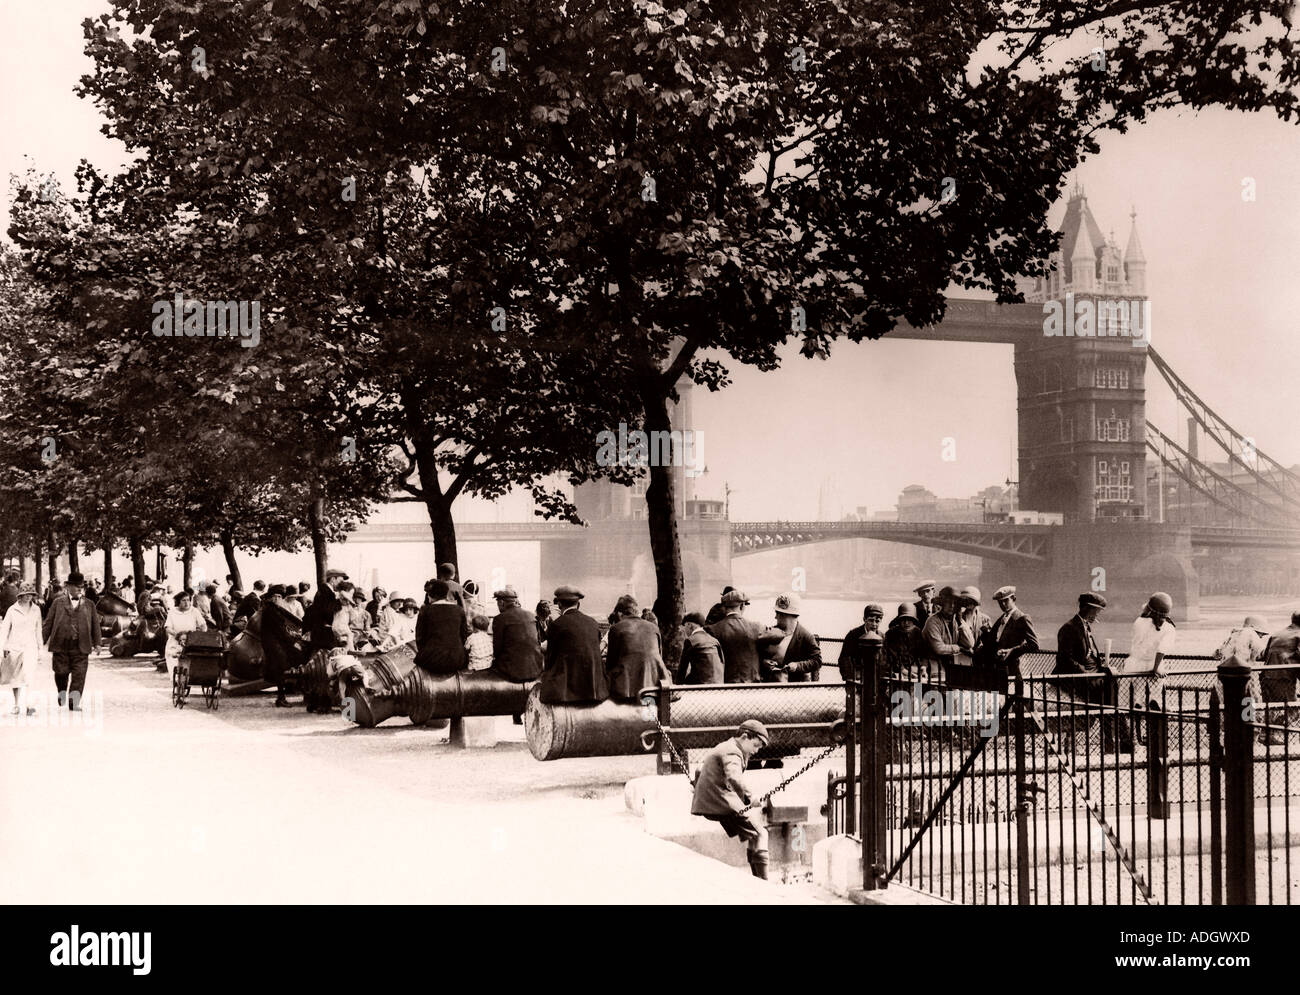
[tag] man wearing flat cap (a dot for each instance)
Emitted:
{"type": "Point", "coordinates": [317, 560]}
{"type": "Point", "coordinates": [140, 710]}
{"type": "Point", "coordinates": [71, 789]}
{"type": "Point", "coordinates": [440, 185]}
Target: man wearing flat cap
{"type": "Point", "coordinates": [1013, 633]}
{"type": "Point", "coordinates": [574, 672]}
{"type": "Point", "coordinates": [721, 794]}
{"type": "Point", "coordinates": [924, 604]}
{"type": "Point", "coordinates": [1077, 653]}
{"type": "Point", "coordinates": [634, 658]}
{"type": "Point", "coordinates": [71, 630]}
{"type": "Point", "coordinates": [516, 653]}
{"type": "Point", "coordinates": [872, 616]}
{"type": "Point", "coordinates": [741, 640]}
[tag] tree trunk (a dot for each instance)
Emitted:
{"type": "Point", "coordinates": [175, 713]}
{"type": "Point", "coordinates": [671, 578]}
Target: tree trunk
{"type": "Point", "coordinates": [53, 559]}
{"type": "Point", "coordinates": [665, 546]}
{"type": "Point", "coordinates": [160, 563]}
{"type": "Point", "coordinates": [187, 560]}
{"type": "Point", "coordinates": [22, 567]}
{"type": "Point", "coordinates": [437, 505]}
{"type": "Point", "coordinates": [74, 561]}
{"type": "Point", "coordinates": [316, 519]}
{"type": "Point", "coordinates": [228, 549]}
{"type": "Point", "coordinates": [137, 563]}
{"type": "Point", "coordinates": [40, 572]}
{"type": "Point", "coordinates": [108, 564]}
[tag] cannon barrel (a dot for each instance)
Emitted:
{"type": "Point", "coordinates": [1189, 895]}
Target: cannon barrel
{"type": "Point", "coordinates": [391, 684]}
{"type": "Point", "coordinates": [701, 717]}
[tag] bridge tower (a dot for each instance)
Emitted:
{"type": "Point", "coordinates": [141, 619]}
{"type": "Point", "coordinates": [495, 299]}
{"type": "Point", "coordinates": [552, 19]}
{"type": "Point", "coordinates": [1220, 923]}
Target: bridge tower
{"type": "Point", "coordinates": [1081, 391]}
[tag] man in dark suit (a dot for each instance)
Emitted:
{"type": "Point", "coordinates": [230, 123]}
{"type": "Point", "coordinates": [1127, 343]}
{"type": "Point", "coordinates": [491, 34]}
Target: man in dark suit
{"type": "Point", "coordinates": [719, 611]}
{"type": "Point", "coordinates": [318, 619]}
{"type": "Point", "coordinates": [721, 794]}
{"type": "Point", "coordinates": [1013, 633]}
{"type": "Point", "coordinates": [924, 606]}
{"type": "Point", "coordinates": [574, 672]}
{"type": "Point", "coordinates": [440, 632]}
{"type": "Point", "coordinates": [1077, 653]}
{"type": "Point", "coordinates": [634, 658]}
{"type": "Point", "coordinates": [801, 660]}
{"type": "Point", "coordinates": [516, 653]}
{"type": "Point", "coordinates": [252, 602]}
{"type": "Point", "coordinates": [8, 592]}
{"type": "Point", "coordinates": [701, 661]}
{"type": "Point", "coordinates": [741, 639]}
{"type": "Point", "coordinates": [447, 574]}
{"type": "Point", "coordinates": [71, 630]}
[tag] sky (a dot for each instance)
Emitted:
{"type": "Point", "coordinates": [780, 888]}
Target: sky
{"type": "Point", "coordinates": [1223, 275]}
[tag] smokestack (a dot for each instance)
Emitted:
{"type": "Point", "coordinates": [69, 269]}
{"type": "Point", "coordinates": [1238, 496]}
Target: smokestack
{"type": "Point", "coordinates": [1191, 438]}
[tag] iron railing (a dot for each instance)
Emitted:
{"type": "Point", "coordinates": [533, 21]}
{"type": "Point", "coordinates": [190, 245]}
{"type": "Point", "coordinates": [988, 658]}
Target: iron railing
{"type": "Point", "coordinates": [1033, 788]}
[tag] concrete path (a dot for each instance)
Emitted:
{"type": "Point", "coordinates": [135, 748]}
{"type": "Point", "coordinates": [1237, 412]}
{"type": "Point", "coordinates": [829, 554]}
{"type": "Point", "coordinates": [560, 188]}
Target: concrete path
{"type": "Point", "coordinates": [142, 802]}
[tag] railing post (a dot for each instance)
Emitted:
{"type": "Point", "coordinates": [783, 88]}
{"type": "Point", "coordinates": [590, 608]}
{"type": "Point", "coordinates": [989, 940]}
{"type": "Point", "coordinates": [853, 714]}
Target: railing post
{"type": "Point", "coordinates": [1238, 783]}
{"type": "Point", "coordinates": [1157, 762]}
{"type": "Point", "coordinates": [663, 759]}
{"type": "Point", "coordinates": [1023, 856]}
{"type": "Point", "coordinates": [874, 713]}
{"type": "Point", "coordinates": [1216, 802]}
{"type": "Point", "coordinates": [851, 742]}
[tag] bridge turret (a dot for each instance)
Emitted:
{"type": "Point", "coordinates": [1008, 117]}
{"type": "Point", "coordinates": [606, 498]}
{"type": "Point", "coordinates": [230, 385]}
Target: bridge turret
{"type": "Point", "coordinates": [1135, 263]}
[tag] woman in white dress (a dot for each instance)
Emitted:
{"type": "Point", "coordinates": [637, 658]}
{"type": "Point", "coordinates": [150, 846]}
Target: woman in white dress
{"type": "Point", "coordinates": [184, 618]}
{"type": "Point", "coordinates": [20, 645]}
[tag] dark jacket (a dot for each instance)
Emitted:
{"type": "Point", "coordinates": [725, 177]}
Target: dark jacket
{"type": "Point", "coordinates": [701, 661]}
{"type": "Point", "coordinates": [1076, 649]}
{"type": "Point", "coordinates": [740, 639]}
{"type": "Point", "coordinates": [318, 619]}
{"type": "Point", "coordinates": [220, 614]}
{"type": "Point", "coordinates": [721, 789]}
{"type": "Point", "coordinates": [1017, 635]}
{"type": "Point", "coordinates": [440, 634]}
{"type": "Point", "coordinates": [516, 654]}
{"type": "Point", "coordinates": [1283, 648]}
{"type": "Point", "coordinates": [634, 658]}
{"type": "Point", "coordinates": [8, 595]}
{"type": "Point", "coordinates": [804, 654]}
{"type": "Point", "coordinates": [574, 672]}
{"type": "Point", "coordinates": [69, 630]}
{"type": "Point", "coordinates": [922, 613]}
{"type": "Point", "coordinates": [249, 606]}
{"type": "Point", "coordinates": [905, 647]}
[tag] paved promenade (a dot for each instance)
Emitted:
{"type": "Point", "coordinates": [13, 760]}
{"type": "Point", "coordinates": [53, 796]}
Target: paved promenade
{"type": "Point", "coordinates": [147, 803]}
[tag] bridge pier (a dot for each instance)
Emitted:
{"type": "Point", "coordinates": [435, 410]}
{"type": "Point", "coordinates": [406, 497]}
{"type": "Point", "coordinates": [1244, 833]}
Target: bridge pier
{"type": "Point", "coordinates": [612, 558]}
{"type": "Point", "coordinates": [1124, 562]}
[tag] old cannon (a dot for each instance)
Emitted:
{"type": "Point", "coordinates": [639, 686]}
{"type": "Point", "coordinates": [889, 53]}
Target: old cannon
{"type": "Point", "coordinates": [698, 716]}
{"type": "Point", "coordinates": [115, 615]}
{"type": "Point", "coordinates": [381, 686]}
{"type": "Point", "coordinates": [147, 633]}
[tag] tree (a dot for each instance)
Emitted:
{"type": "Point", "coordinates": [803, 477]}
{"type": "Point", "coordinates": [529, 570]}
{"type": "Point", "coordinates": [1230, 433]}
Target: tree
{"type": "Point", "coordinates": [685, 185]}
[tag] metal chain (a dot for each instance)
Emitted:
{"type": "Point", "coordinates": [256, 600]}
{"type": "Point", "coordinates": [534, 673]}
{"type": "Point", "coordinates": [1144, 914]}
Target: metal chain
{"type": "Point", "coordinates": [801, 771]}
{"type": "Point", "coordinates": [691, 778]}
{"type": "Point", "coordinates": [677, 757]}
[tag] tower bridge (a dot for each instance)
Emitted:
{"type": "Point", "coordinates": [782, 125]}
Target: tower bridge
{"type": "Point", "coordinates": [1083, 445]}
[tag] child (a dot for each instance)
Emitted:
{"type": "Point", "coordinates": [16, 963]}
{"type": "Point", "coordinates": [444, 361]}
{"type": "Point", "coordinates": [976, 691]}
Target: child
{"type": "Point", "coordinates": [479, 645]}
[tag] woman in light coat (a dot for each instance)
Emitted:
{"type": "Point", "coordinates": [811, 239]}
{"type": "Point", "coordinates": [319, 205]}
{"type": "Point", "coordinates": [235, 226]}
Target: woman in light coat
{"type": "Point", "coordinates": [20, 645]}
{"type": "Point", "coordinates": [185, 618]}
